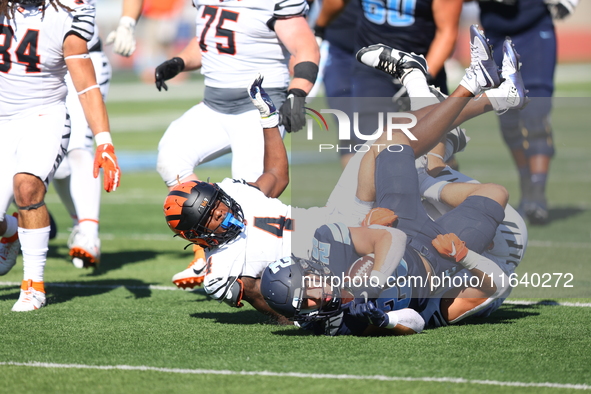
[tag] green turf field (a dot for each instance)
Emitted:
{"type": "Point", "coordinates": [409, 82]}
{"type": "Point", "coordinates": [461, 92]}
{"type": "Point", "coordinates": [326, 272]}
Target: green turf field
{"type": "Point", "coordinates": [125, 328]}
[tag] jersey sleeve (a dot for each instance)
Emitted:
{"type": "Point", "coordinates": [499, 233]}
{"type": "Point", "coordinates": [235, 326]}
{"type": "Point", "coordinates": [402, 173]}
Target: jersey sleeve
{"type": "Point", "coordinates": [83, 19]}
{"type": "Point", "coordinates": [290, 8]}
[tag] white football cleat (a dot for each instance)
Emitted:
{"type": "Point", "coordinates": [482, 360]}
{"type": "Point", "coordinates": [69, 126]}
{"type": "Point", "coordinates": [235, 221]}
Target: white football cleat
{"type": "Point", "coordinates": [483, 72]}
{"type": "Point", "coordinates": [85, 248]}
{"type": "Point", "coordinates": [29, 299]}
{"type": "Point", "coordinates": [511, 93]}
{"type": "Point", "coordinates": [9, 248]}
{"type": "Point", "coordinates": [195, 273]}
{"type": "Point", "coordinates": [391, 61]}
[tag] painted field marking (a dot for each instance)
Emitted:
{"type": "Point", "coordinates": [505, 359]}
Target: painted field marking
{"type": "Point", "coordinates": [298, 375]}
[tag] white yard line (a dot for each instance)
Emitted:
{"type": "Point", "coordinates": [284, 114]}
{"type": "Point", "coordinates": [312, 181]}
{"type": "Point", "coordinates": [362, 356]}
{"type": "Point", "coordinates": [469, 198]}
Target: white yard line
{"type": "Point", "coordinates": [298, 375]}
{"type": "Point", "coordinates": [83, 285]}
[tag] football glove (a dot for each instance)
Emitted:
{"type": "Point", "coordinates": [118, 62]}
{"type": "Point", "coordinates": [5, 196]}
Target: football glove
{"type": "Point", "coordinates": [122, 37]}
{"type": "Point", "coordinates": [380, 216]}
{"type": "Point", "coordinates": [261, 100]}
{"type": "Point", "coordinates": [167, 70]}
{"type": "Point", "coordinates": [560, 9]}
{"type": "Point", "coordinates": [369, 312]}
{"type": "Point", "coordinates": [292, 112]}
{"type": "Point", "coordinates": [105, 158]}
{"type": "Point", "coordinates": [449, 245]}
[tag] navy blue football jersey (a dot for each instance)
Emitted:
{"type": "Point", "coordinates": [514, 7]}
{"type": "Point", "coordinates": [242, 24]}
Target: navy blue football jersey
{"type": "Point", "coordinates": [407, 25]}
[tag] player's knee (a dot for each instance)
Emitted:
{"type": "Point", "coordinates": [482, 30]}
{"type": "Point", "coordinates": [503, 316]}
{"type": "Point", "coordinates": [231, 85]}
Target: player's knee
{"type": "Point", "coordinates": [495, 192]}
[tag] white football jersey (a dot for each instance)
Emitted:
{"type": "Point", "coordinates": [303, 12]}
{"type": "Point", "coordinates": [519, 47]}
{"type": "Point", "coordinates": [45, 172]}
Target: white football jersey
{"type": "Point", "coordinates": [32, 65]}
{"type": "Point", "coordinates": [266, 238]}
{"type": "Point", "coordinates": [237, 43]}
{"type": "Point", "coordinates": [273, 230]}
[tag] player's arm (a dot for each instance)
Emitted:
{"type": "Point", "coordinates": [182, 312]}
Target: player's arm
{"type": "Point", "coordinates": [299, 40]}
{"type": "Point", "coordinates": [122, 38]}
{"type": "Point", "coordinates": [492, 283]}
{"type": "Point", "coordinates": [446, 14]}
{"type": "Point", "coordinates": [84, 79]}
{"type": "Point", "coordinates": [275, 175]}
{"type": "Point", "coordinates": [400, 322]}
{"type": "Point", "coordinates": [386, 243]}
{"type": "Point", "coordinates": [329, 11]}
{"type": "Point", "coordinates": [189, 59]}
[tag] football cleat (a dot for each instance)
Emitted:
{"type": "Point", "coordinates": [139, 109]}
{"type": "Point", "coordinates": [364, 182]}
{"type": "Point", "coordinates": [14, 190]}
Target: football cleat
{"type": "Point", "coordinates": [85, 250]}
{"type": "Point", "coordinates": [195, 272]}
{"type": "Point", "coordinates": [483, 72]}
{"type": "Point", "coordinates": [9, 248]}
{"type": "Point", "coordinates": [511, 93]}
{"type": "Point", "coordinates": [30, 298]}
{"type": "Point", "coordinates": [536, 208]}
{"type": "Point", "coordinates": [391, 61]}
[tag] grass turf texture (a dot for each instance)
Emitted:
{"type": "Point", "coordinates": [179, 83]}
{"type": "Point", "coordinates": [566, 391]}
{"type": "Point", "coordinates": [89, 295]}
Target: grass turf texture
{"type": "Point", "coordinates": [112, 316]}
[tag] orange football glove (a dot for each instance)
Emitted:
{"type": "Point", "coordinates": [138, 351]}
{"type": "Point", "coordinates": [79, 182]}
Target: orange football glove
{"type": "Point", "coordinates": [105, 158]}
{"type": "Point", "coordinates": [449, 245]}
{"type": "Point", "coordinates": [380, 216]}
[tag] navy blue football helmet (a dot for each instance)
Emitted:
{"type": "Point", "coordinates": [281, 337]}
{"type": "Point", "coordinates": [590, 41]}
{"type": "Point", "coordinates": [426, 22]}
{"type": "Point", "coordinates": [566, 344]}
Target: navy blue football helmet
{"type": "Point", "coordinates": [284, 285]}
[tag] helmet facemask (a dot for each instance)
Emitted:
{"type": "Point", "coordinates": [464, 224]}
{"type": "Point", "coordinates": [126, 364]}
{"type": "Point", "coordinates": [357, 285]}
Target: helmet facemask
{"type": "Point", "coordinates": [285, 285]}
{"type": "Point", "coordinates": [197, 204]}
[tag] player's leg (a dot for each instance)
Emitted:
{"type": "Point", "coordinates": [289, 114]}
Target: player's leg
{"type": "Point", "coordinates": [194, 138]}
{"type": "Point", "coordinates": [246, 141]}
{"type": "Point", "coordinates": [9, 242]}
{"type": "Point", "coordinates": [83, 189]}
{"type": "Point", "coordinates": [37, 160]}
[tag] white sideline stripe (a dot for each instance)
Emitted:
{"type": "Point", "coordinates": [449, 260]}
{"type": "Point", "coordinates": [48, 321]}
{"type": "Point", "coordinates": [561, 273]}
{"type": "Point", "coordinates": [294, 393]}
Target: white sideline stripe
{"type": "Point", "coordinates": [171, 288]}
{"type": "Point", "coordinates": [84, 286]}
{"type": "Point", "coordinates": [297, 375]}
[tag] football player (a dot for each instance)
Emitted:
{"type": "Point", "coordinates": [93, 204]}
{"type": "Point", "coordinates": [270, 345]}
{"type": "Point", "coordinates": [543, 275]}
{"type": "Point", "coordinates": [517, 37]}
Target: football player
{"type": "Point", "coordinates": [238, 259]}
{"type": "Point", "coordinates": [234, 41]}
{"type": "Point", "coordinates": [74, 182]}
{"type": "Point", "coordinates": [42, 41]}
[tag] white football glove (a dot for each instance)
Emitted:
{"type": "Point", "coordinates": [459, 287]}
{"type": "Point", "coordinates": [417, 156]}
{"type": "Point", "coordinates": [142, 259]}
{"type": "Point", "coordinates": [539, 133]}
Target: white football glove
{"type": "Point", "coordinates": [123, 37]}
{"type": "Point", "coordinates": [261, 100]}
{"type": "Point", "coordinates": [560, 9]}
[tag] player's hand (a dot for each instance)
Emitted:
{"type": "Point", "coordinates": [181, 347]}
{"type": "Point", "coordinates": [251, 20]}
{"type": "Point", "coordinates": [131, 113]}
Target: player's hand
{"type": "Point", "coordinates": [560, 9]}
{"type": "Point", "coordinates": [167, 70]}
{"type": "Point", "coordinates": [449, 245]}
{"type": "Point", "coordinates": [380, 216]}
{"type": "Point", "coordinates": [261, 100]}
{"type": "Point", "coordinates": [369, 312]}
{"type": "Point", "coordinates": [319, 33]}
{"type": "Point", "coordinates": [105, 158]}
{"type": "Point", "coordinates": [292, 112]}
{"type": "Point", "coordinates": [122, 37]}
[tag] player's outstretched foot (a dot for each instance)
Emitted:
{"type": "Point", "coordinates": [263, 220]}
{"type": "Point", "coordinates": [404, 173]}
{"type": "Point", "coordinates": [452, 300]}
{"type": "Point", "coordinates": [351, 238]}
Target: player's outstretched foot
{"type": "Point", "coordinates": [31, 297]}
{"type": "Point", "coordinates": [84, 249]}
{"type": "Point", "coordinates": [511, 93]}
{"type": "Point", "coordinates": [391, 61]}
{"type": "Point", "coordinates": [483, 73]}
{"type": "Point", "coordinates": [194, 274]}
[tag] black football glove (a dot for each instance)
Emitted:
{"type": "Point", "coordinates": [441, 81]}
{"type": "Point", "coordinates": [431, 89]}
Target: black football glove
{"type": "Point", "coordinates": [368, 312]}
{"type": "Point", "coordinates": [168, 69]}
{"type": "Point", "coordinates": [292, 112]}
